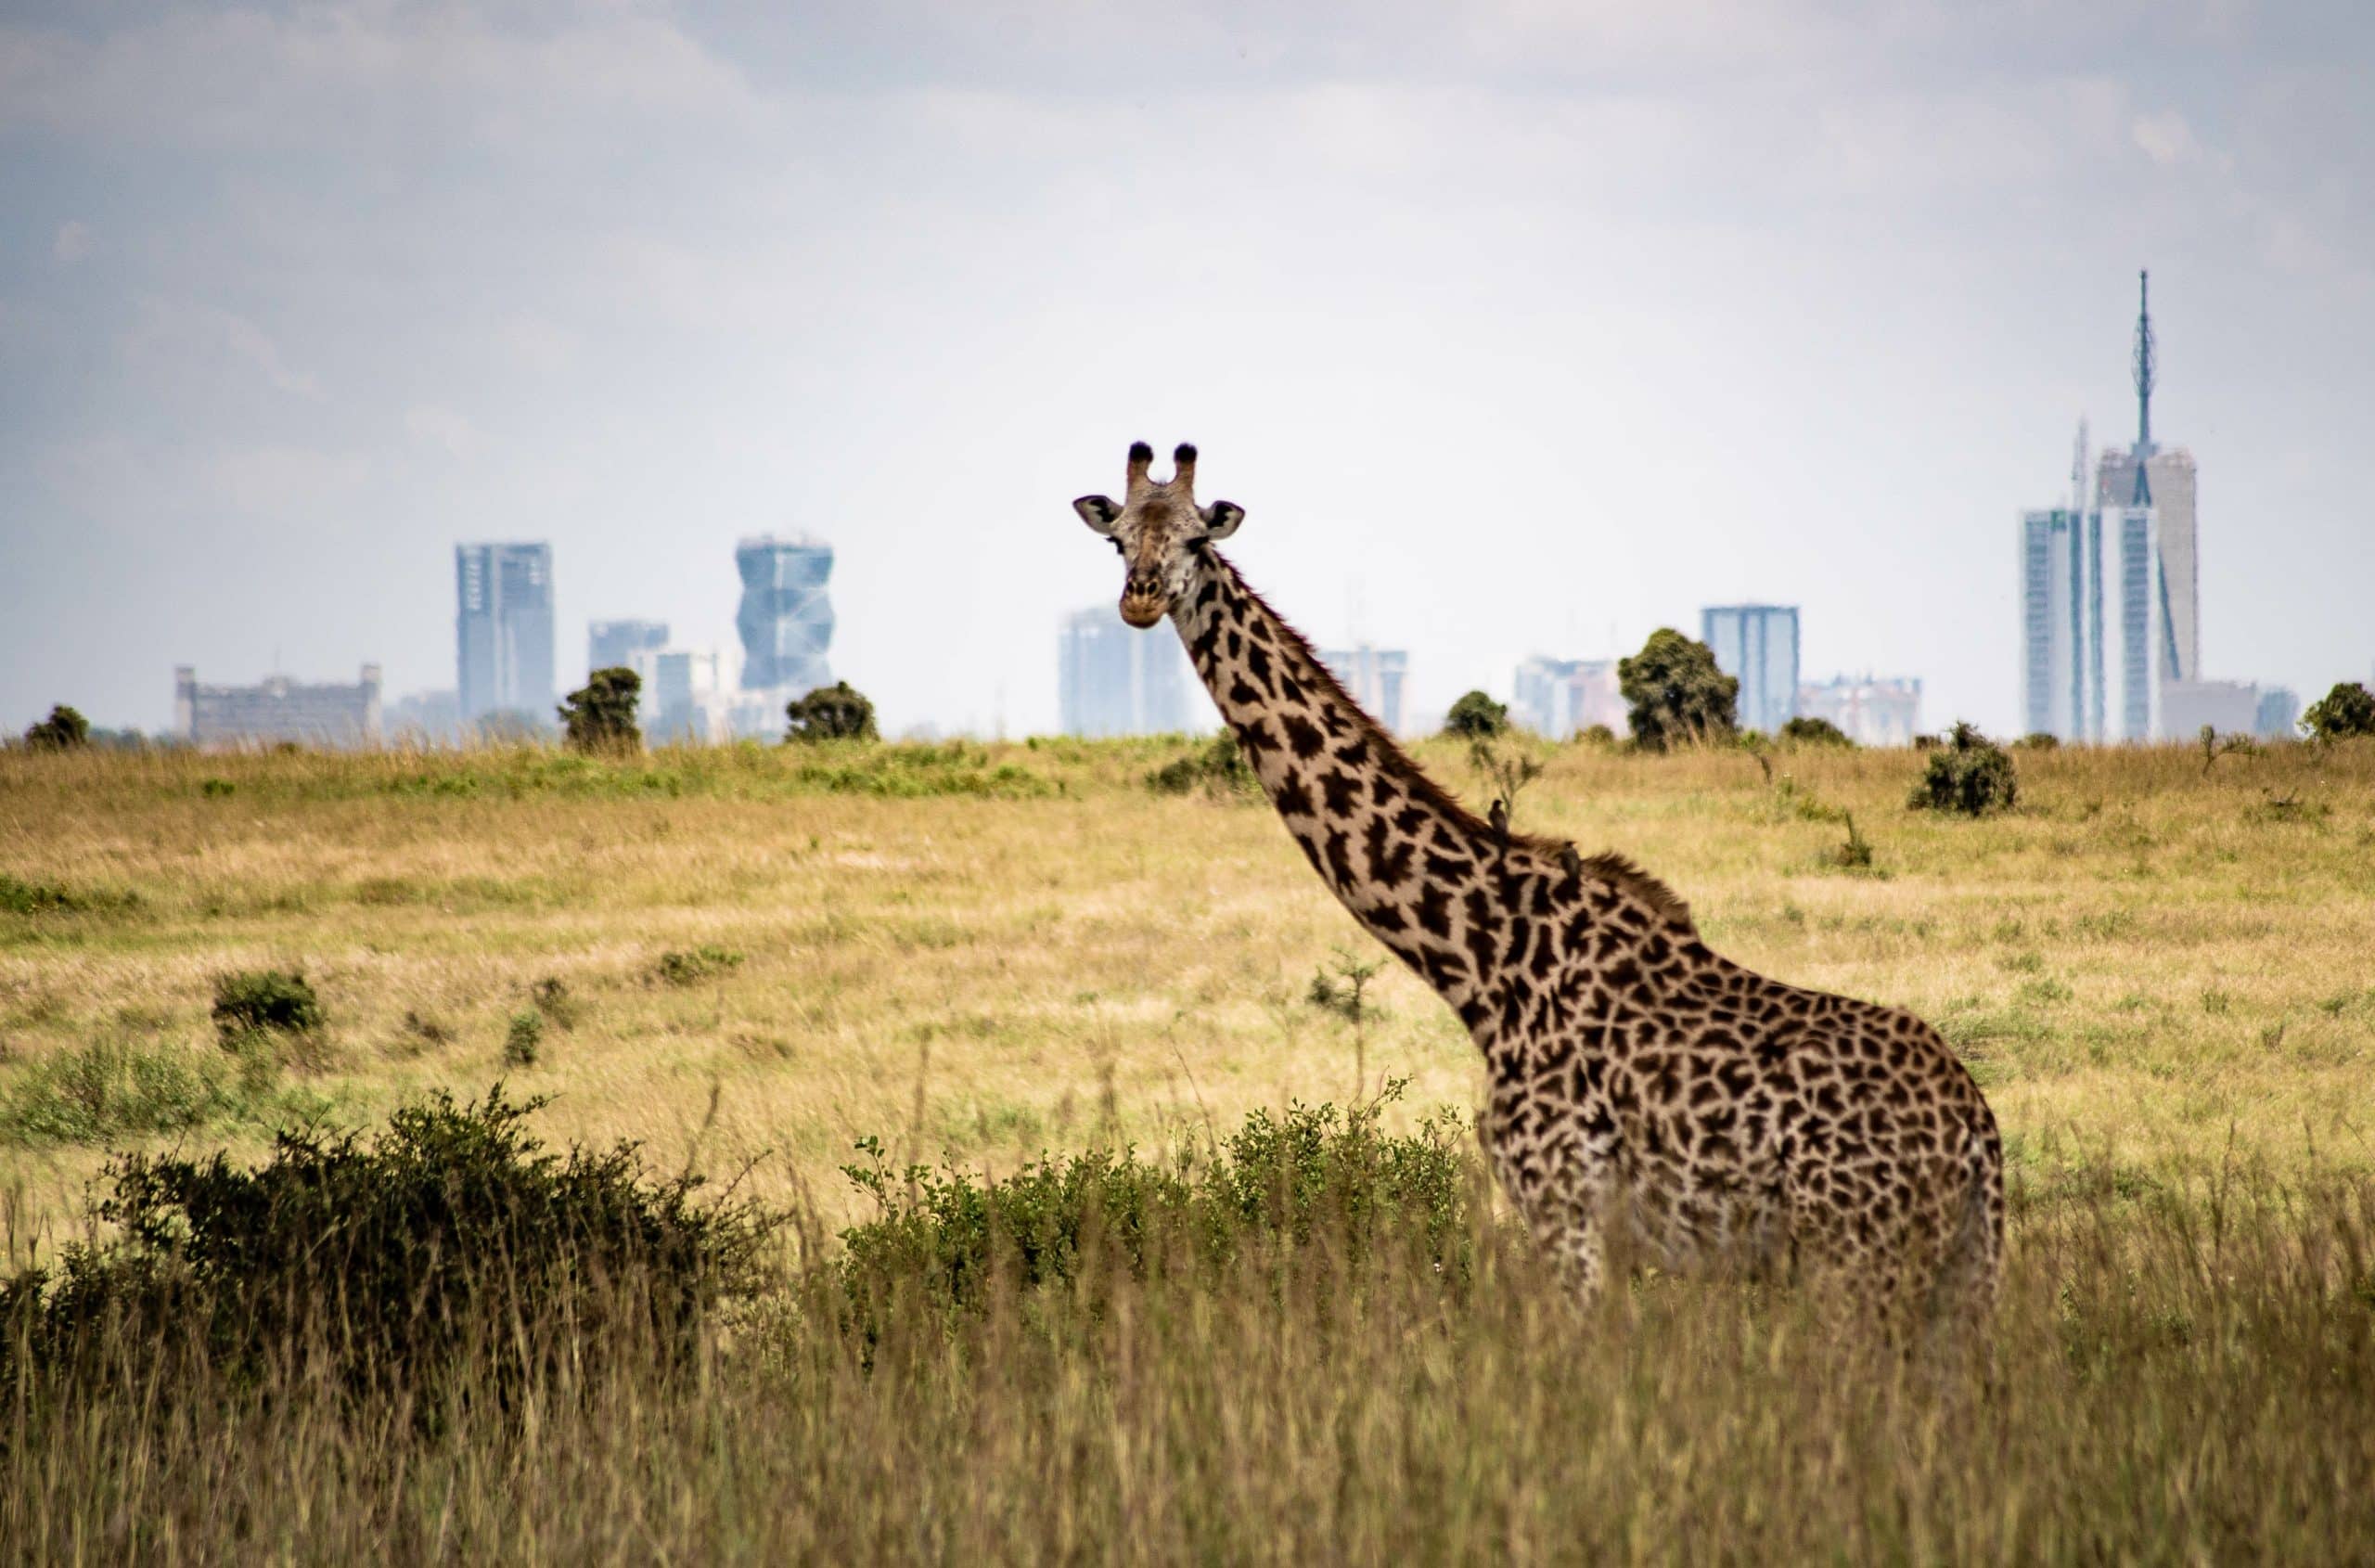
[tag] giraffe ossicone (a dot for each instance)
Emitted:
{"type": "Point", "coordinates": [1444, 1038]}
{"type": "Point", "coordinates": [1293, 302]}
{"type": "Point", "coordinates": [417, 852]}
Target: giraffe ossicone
{"type": "Point", "coordinates": [1635, 1078]}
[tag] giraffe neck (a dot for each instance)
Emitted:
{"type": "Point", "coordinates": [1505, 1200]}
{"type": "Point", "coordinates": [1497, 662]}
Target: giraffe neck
{"type": "Point", "coordinates": [1420, 872]}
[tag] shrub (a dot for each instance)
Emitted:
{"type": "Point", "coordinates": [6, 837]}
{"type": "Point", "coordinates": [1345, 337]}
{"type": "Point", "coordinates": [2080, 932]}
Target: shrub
{"type": "Point", "coordinates": [525, 1040]}
{"type": "Point", "coordinates": [1598, 735]}
{"type": "Point", "coordinates": [1476, 717]}
{"type": "Point", "coordinates": [450, 1232]}
{"type": "Point", "coordinates": [690, 968]}
{"type": "Point", "coordinates": [600, 715]}
{"type": "Point", "coordinates": [838, 712]}
{"type": "Point", "coordinates": [110, 1089]}
{"type": "Point", "coordinates": [2039, 740]}
{"type": "Point", "coordinates": [551, 998]}
{"type": "Point", "coordinates": [63, 731]}
{"type": "Point", "coordinates": [1275, 1180]}
{"type": "Point", "coordinates": [1969, 774]}
{"type": "Point", "coordinates": [1805, 730]}
{"type": "Point", "coordinates": [1218, 768]}
{"type": "Point", "coordinates": [265, 1001]}
{"type": "Point", "coordinates": [2347, 711]}
{"type": "Point", "coordinates": [1676, 693]}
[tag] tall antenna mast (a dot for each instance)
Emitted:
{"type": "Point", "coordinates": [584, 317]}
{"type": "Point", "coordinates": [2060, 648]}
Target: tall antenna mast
{"type": "Point", "coordinates": [2144, 380]}
{"type": "Point", "coordinates": [2079, 471]}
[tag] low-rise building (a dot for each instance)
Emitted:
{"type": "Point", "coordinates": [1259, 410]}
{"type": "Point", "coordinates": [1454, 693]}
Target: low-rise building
{"type": "Point", "coordinates": [1868, 710]}
{"type": "Point", "coordinates": [276, 709]}
{"type": "Point", "coordinates": [1561, 698]}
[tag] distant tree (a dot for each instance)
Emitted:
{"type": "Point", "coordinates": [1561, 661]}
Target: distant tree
{"type": "Point", "coordinates": [838, 712]}
{"type": "Point", "coordinates": [1807, 731]}
{"type": "Point", "coordinates": [1598, 735]}
{"type": "Point", "coordinates": [599, 716]}
{"type": "Point", "coordinates": [2346, 711]}
{"type": "Point", "coordinates": [1969, 773]}
{"type": "Point", "coordinates": [63, 731]}
{"type": "Point", "coordinates": [1676, 693]}
{"type": "Point", "coordinates": [1476, 717]}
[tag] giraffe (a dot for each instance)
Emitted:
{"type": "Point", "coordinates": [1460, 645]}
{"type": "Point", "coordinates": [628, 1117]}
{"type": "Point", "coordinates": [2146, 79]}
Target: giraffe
{"type": "Point", "coordinates": [1639, 1085]}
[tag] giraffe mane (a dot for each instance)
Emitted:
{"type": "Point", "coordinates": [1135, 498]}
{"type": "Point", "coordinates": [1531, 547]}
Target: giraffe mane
{"type": "Point", "coordinates": [1607, 866]}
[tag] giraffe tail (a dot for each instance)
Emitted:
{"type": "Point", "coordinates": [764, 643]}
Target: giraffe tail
{"type": "Point", "coordinates": [1975, 1257]}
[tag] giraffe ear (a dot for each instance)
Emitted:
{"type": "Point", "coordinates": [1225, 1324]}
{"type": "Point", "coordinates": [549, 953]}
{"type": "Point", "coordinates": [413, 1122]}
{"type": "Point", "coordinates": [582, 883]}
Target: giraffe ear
{"type": "Point", "coordinates": [1221, 518]}
{"type": "Point", "coordinates": [1098, 511]}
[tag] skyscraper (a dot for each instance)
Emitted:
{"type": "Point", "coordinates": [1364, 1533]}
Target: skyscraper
{"type": "Point", "coordinates": [1113, 680]}
{"type": "Point", "coordinates": [504, 630]}
{"type": "Point", "coordinates": [1373, 677]}
{"type": "Point", "coordinates": [1757, 644]}
{"type": "Point", "coordinates": [2062, 613]}
{"type": "Point", "coordinates": [786, 617]}
{"type": "Point", "coordinates": [2145, 477]}
{"type": "Point", "coordinates": [2144, 640]}
{"type": "Point", "coordinates": [612, 645]}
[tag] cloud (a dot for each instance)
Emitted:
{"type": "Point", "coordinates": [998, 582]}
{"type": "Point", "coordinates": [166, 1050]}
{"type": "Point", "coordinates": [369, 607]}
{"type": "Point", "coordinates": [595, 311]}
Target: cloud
{"type": "Point", "coordinates": [73, 244]}
{"type": "Point", "coordinates": [2166, 138]}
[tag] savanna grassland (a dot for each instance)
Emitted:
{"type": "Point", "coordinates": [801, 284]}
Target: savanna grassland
{"type": "Point", "coordinates": [750, 959]}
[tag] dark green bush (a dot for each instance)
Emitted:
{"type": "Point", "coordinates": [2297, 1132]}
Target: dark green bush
{"type": "Point", "coordinates": [64, 731]}
{"type": "Point", "coordinates": [265, 1001]}
{"type": "Point", "coordinates": [1675, 693]}
{"type": "Point", "coordinates": [1476, 717]}
{"type": "Point", "coordinates": [523, 1042]}
{"type": "Point", "coordinates": [451, 1238]}
{"type": "Point", "coordinates": [1969, 774]}
{"type": "Point", "coordinates": [2039, 740]}
{"type": "Point", "coordinates": [838, 712]}
{"type": "Point", "coordinates": [2347, 711]}
{"type": "Point", "coordinates": [1807, 731]}
{"type": "Point", "coordinates": [20, 897]}
{"type": "Point", "coordinates": [1218, 769]}
{"type": "Point", "coordinates": [691, 967]}
{"type": "Point", "coordinates": [600, 717]}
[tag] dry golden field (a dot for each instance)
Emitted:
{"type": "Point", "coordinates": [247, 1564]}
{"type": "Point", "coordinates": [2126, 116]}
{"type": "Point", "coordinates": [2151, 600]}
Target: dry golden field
{"type": "Point", "coordinates": [980, 952]}
{"type": "Point", "coordinates": [1285, 1338]}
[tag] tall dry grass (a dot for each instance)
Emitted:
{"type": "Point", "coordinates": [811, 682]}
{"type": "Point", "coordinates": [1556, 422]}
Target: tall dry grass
{"type": "Point", "coordinates": [2158, 970]}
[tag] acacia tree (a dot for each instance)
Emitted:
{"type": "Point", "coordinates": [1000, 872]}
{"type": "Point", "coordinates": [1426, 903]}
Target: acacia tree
{"type": "Point", "coordinates": [1476, 717]}
{"type": "Point", "coordinates": [1676, 693]}
{"type": "Point", "coordinates": [2347, 709]}
{"type": "Point", "coordinates": [838, 712]}
{"type": "Point", "coordinates": [600, 715]}
{"type": "Point", "coordinates": [62, 731]}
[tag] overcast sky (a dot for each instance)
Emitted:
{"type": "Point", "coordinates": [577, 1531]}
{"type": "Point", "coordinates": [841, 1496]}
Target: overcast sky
{"type": "Point", "coordinates": [1515, 327]}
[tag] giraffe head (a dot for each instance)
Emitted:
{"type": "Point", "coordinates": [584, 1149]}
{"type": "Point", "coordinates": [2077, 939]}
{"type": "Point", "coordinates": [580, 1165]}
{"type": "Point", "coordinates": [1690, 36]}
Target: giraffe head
{"type": "Point", "coordinates": [1157, 529]}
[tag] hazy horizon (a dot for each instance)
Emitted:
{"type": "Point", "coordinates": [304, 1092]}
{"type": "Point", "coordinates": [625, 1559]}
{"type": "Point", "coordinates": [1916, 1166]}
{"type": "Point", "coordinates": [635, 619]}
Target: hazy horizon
{"type": "Point", "coordinates": [1516, 331]}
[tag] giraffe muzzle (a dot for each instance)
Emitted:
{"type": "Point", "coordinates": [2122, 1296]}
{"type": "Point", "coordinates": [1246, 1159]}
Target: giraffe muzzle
{"type": "Point", "coordinates": [1142, 610]}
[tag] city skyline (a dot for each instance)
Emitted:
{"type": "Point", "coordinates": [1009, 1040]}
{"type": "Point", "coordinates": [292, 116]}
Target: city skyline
{"type": "Point", "coordinates": [1807, 342]}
